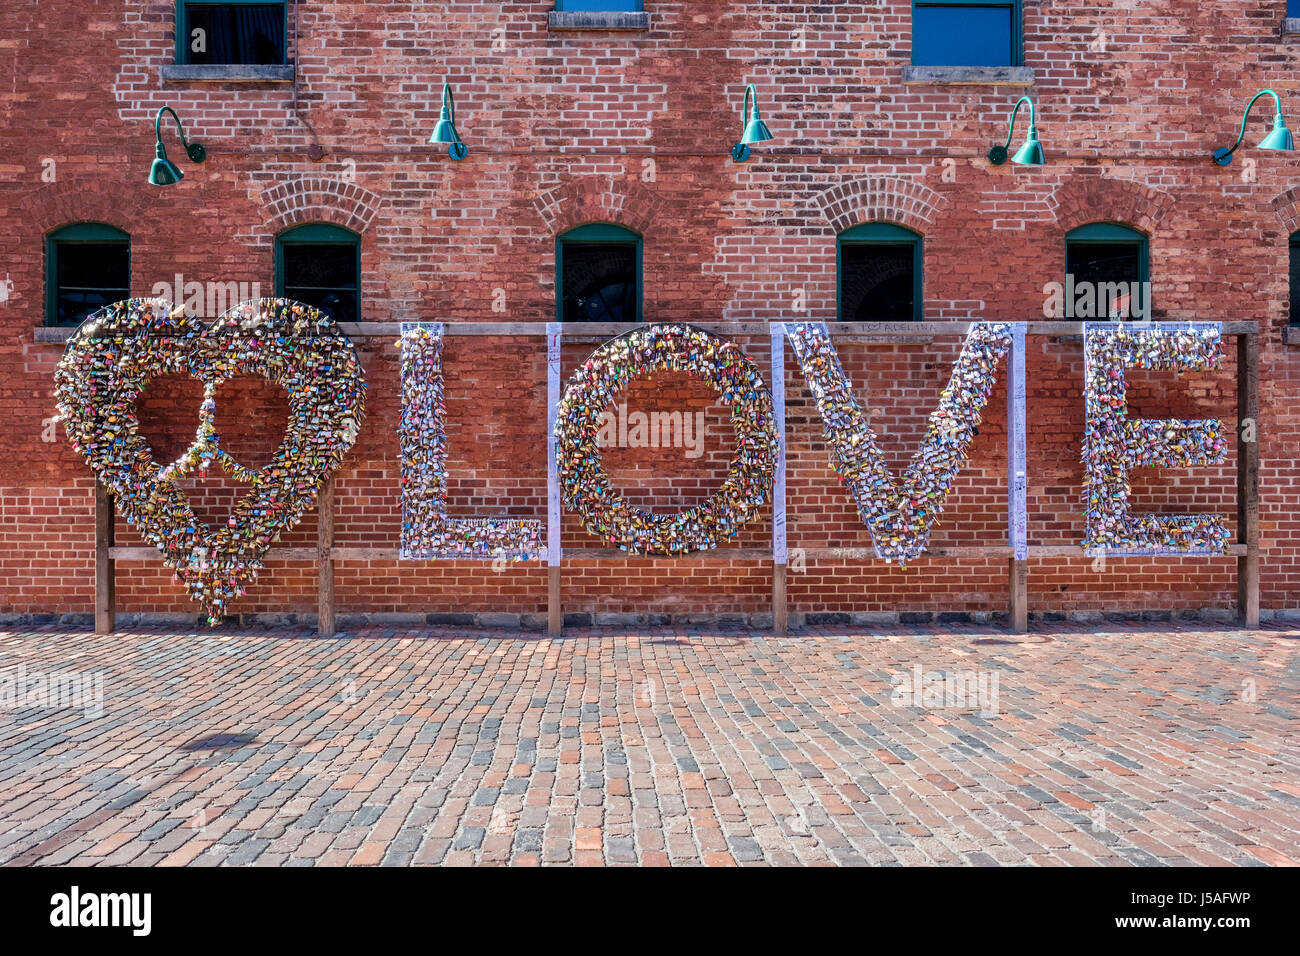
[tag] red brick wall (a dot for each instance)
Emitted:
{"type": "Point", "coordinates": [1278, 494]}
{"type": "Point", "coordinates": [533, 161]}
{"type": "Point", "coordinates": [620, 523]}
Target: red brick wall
{"type": "Point", "coordinates": [632, 128]}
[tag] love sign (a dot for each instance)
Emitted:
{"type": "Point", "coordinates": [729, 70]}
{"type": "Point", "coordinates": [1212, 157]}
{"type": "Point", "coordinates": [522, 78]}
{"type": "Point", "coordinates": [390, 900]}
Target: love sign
{"type": "Point", "coordinates": [112, 358]}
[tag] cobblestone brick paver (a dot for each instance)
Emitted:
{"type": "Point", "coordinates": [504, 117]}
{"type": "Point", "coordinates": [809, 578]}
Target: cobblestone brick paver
{"type": "Point", "coordinates": [391, 747]}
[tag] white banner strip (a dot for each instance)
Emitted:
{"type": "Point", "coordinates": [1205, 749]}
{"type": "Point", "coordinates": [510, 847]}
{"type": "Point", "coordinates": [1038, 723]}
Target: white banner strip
{"type": "Point", "coordinates": [554, 336]}
{"type": "Point", "coordinates": [779, 553]}
{"type": "Point", "coordinates": [1018, 523]}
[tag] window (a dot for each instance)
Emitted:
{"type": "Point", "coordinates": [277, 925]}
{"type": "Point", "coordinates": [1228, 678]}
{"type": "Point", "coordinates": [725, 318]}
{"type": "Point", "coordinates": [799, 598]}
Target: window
{"type": "Point", "coordinates": [231, 32]}
{"type": "Point", "coordinates": [1107, 272]}
{"type": "Point", "coordinates": [602, 6]}
{"type": "Point", "coordinates": [320, 264]}
{"type": "Point", "coordinates": [87, 266]}
{"type": "Point", "coordinates": [966, 33]}
{"type": "Point", "coordinates": [879, 267]}
{"type": "Point", "coordinates": [1295, 270]}
{"type": "Point", "coordinates": [598, 274]}
{"type": "Point", "coordinates": [1293, 8]}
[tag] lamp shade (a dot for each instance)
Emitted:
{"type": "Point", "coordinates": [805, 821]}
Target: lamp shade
{"type": "Point", "coordinates": [1031, 153]}
{"type": "Point", "coordinates": [756, 130]}
{"type": "Point", "coordinates": [445, 131]}
{"type": "Point", "coordinates": [164, 172]}
{"type": "Point", "coordinates": [1279, 137]}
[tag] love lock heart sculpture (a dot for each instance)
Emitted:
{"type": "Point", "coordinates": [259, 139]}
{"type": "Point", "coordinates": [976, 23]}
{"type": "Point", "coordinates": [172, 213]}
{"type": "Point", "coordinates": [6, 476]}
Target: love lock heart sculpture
{"type": "Point", "coordinates": [120, 349]}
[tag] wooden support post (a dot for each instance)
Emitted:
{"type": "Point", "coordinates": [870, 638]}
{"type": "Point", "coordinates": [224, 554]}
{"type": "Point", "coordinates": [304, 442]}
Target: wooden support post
{"type": "Point", "coordinates": [1018, 590]}
{"type": "Point", "coordinates": [780, 622]}
{"type": "Point", "coordinates": [325, 561]}
{"type": "Point", "coordinates": [1248, 477]}
{"type": "Point", "coordinates": [105, 579]}
{"type": "Point", "coordinates": [554, 610]}
{"type": "Point", "coordinates": [554, 552]}
{"type": "Point", "coordinates": [780, 549]}
{"type": "Point", "coordinates": [1017, 485]}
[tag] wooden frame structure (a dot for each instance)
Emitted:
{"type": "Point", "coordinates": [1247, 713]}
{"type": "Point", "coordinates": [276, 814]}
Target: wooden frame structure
{"type": "Point", "coordinates": [1017, 552]}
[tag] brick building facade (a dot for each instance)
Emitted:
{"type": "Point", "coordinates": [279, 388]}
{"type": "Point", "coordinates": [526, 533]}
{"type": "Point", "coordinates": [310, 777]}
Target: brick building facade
{"type": "Point", "coordinates": [632, 127]}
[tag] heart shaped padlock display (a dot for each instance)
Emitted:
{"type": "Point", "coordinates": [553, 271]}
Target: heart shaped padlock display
{"type": "Point", "coordinates": [120, 349]}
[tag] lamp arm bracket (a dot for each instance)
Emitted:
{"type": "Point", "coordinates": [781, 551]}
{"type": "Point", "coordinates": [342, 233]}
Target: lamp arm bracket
{"type": "Point", "coordinates": [1245, 117]}
{"type": "Point", "coordinates": [750, 92]}
{"type": "Point", "coordinates": [1012, 132]}
{"type": "Point", "coordinates": [449, 101]}
{"type": "Point", "coordinates": [180, 130]}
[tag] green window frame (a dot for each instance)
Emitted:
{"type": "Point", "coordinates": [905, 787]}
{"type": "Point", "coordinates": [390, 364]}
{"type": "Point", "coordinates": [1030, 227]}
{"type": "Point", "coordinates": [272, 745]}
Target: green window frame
{"type": "Point", "coordinates": [317, 234]}
{"type": "Point", "coordinates": [881, 234]}
{"type": "Point", "coordinates": [592, 234]}
{"type": "Point", "coordinates": [81, 233]}
{"type": "Point", "coordinates": [1109, 234]}
{"type": "Point", "coordinates": [183, 24]}
{"type": "Point", "coordinates": [600, 6]}
{"type": "Point", "coordinates": [1017, 45]}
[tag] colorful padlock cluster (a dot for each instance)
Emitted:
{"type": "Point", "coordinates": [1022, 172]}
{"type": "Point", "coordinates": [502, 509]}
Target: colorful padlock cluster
{"type": "Point", "coordinates": [427, 530]}
{"type": "Point", "coordinates": [900, 516]}
{"type": "Point", "coordinates": [114, 356]}
{"type": "Point", "coordinates": [586, 485]}
{"type": "Point", "coordinates": [1113, 443]}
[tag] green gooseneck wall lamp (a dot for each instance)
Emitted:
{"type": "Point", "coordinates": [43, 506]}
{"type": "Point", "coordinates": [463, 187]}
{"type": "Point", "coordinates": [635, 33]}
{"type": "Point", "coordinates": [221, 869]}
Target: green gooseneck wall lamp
{"type": "Point", "coordinates": [445, 131]}
{"type": "Point", "coordinates": [752, 127]}
{"type": "Point", "coordinates": [164, 172]}
{"type": "Point", "coordinates": [1030, 154]}
{"type": "Point", "coordinates": [1279, 138]}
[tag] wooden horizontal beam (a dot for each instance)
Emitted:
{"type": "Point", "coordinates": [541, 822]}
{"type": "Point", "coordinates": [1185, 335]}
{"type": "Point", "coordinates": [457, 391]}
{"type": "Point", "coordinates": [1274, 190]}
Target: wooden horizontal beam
{"type": "Point", "coordinates": [866, 331]}
{"type": "Point", "coordinates": [128, 553]}
{"type": "Point", "coordinates": [869, 554]}
{"type": "Point", "coordinates": [869, 333]}
{"type": "Point", "coordinates": [716, 554]}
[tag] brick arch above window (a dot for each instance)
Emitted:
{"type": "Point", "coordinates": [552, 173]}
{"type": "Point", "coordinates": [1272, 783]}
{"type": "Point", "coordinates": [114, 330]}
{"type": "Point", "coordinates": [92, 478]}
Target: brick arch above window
{"type": "Point", "coordinates": [879, 199]}
{"type": "Point", "coordinates": [1081, 200]}
{"type": "Point", "coordinates": [59, 204]}
{"type": "Point", "coordinates": [627, 203]}
{"type": "Point", "coordinates": [1287, 207]}
{"type": "Point", "coordinates": [312, 199]}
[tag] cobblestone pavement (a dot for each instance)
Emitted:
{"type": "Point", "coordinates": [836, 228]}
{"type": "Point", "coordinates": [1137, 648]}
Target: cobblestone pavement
{"type": "Point", "coordinates": [246, 746]}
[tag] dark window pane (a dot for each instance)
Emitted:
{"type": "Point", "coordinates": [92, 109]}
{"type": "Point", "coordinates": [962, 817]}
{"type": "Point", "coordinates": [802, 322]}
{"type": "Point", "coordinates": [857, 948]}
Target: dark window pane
{"type": "Point", "coordinates": [877, 282]}
{"type": "Point", "coordinates": [599, 282]}
{"type": "Point", "coordinates": [1295, 272]}
{"type": "Point", "coordinates": [323, 275]}
{"type": "Point", "coordinates": [235, 33]}
{"type": "Point", "coordinates": [1105, 263]}
{"type": "Point", "coordinates": [90, 275]}
{"type": "Point", "coordinates": [962, 36]}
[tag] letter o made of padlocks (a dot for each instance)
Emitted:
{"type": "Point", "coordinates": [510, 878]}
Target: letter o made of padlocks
{"type": "Point", "coordinates": [586, 485]}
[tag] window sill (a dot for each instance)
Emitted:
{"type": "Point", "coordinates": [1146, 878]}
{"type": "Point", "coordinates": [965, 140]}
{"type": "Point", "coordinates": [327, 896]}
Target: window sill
{"type": "Point", "coordinates": [57, 334]}
{"type": "Point", "coordinates": [970, 75]}
{"type": "Point", "coordinates": [225, 73]}
{"type": "Point", "coordinates": [598, 20]}
{"type": "Point", "coordinates": [1291, 27]}
{"type": "Point", "coordinates": [1291, 335]}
